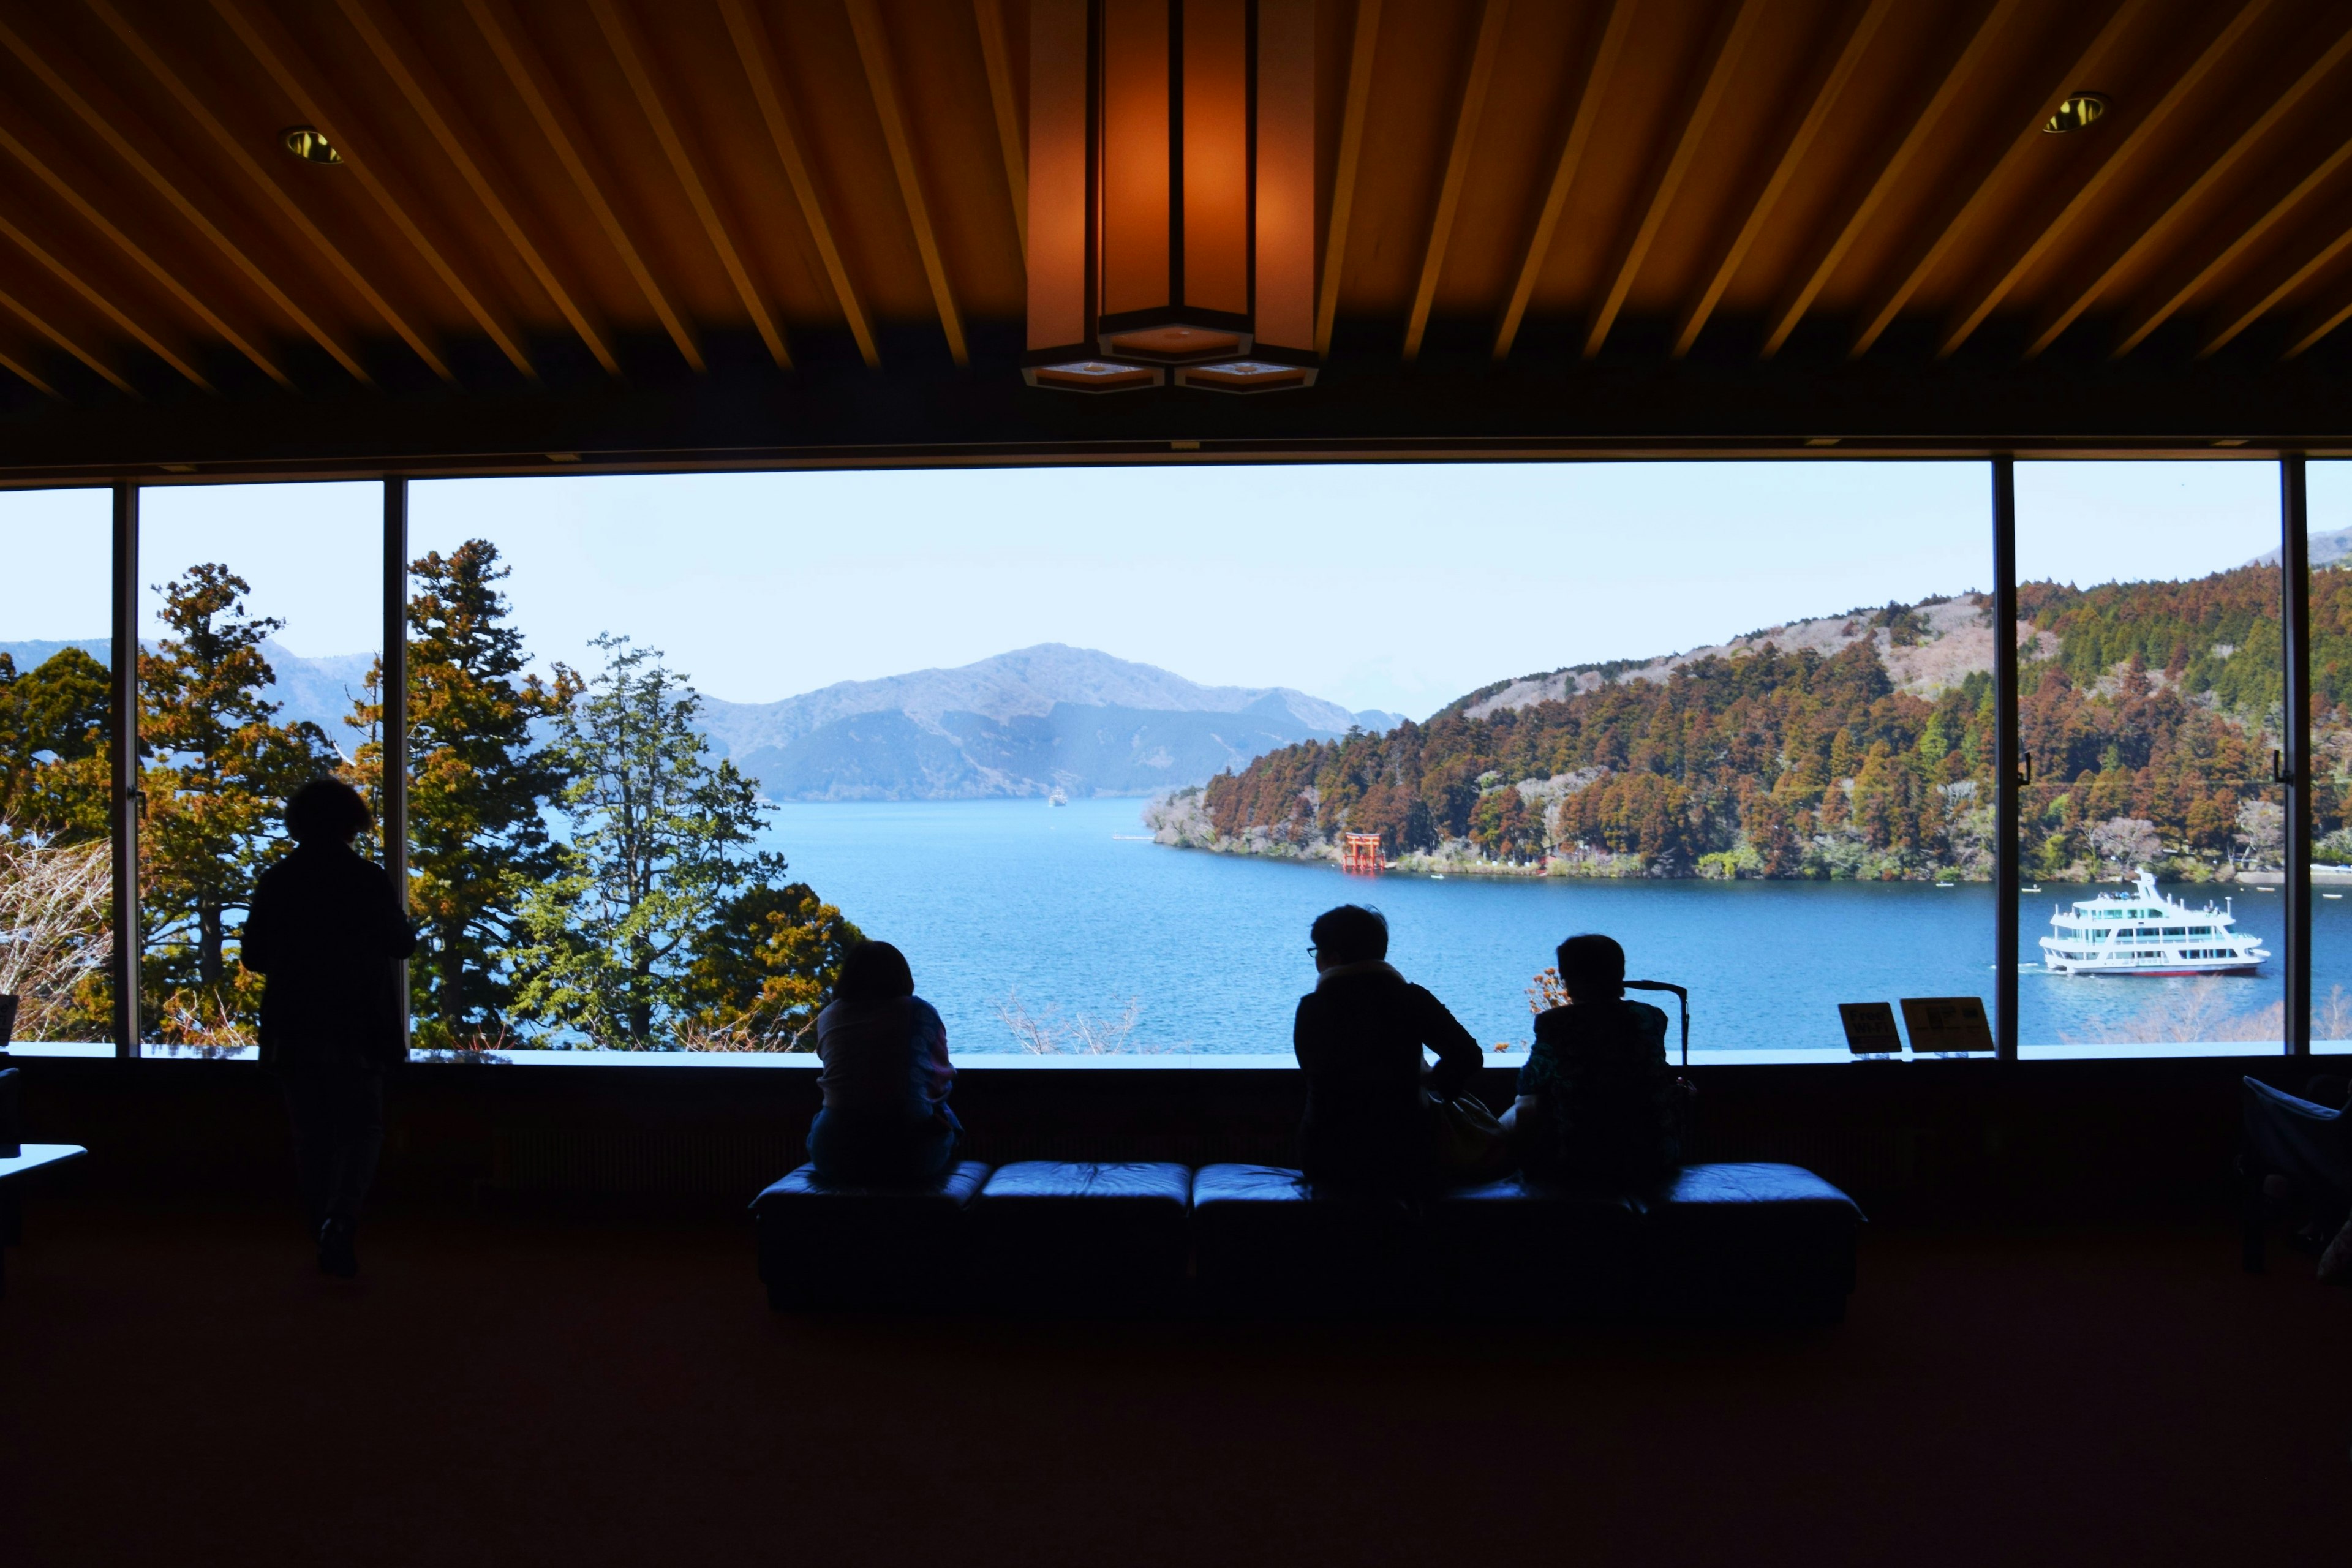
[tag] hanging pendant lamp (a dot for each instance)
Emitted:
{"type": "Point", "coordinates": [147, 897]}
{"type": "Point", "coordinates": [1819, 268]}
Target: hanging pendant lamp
{"type": "Point", "coordinates": [1171, 195]}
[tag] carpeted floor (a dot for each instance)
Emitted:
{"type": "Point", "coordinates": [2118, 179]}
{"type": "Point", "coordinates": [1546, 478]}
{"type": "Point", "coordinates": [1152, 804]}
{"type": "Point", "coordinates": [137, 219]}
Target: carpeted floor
{"type": "Point", "coordinates": [178, 1388]}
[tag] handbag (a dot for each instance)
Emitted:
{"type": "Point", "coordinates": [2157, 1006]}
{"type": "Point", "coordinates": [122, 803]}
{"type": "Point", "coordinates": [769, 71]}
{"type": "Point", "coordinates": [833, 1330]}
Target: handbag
{"type": "Point", "coordinates": [1468, 1140]}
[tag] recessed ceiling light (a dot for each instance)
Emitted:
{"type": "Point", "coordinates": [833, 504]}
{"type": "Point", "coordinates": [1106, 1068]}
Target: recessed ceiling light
{"type": "Point", "coordinates": [311, 146]}
{"type": "Point", "coordinates": [2079, 110]}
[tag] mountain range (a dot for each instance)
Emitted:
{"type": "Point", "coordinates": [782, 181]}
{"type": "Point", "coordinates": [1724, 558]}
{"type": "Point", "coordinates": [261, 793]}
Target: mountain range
{"type": "Point", "coordinates": [1021, 723]}
{"type": "Point", "coordinates": [318, 689]}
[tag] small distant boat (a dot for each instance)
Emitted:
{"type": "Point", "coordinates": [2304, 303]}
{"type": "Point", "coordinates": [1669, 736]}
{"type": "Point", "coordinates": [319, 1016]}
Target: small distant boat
{"type": "Point", "coordinates": [2331, 895]}
{"type": "Point", "coordinates": [2036, 889]}
{"type": "Point", "coordinates": [1059, 798]}
{"type": "Point", "coordinates": [1948, 884]}
{"type": "Point", "coordinates": [1437, 875]}
{"type": "Point", "coordinates": [2104, 935]}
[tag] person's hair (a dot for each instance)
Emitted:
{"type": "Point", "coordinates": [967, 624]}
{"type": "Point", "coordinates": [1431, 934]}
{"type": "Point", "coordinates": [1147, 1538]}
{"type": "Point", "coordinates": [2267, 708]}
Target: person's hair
{"type": "Point", "coordinates": [874, 972]}
{"type": "Point", "coordinates": [327, 810]}
{"type": "Point", "coordinates": [1352, 933]}
{"type": "Point", "coordinates": [1591, 961]}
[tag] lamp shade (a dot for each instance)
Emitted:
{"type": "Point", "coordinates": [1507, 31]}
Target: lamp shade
{"type": "Point", "coordinates": [1171, 195]}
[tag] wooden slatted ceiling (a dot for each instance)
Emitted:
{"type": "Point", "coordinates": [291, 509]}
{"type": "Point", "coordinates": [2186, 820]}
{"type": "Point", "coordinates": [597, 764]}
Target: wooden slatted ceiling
{"type": "Point", "coordinates": [546, 189]}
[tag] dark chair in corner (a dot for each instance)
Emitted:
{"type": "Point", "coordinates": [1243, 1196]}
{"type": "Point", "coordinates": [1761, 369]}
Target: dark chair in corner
{"type": "Point", "coordinates": [1749, 1242]}
{"type": "Point", "coordinates": [1081, 1238]}
{"type": "Point", "coordinates": [825, 1248]}
{"type": "Point", "coordinates": [21, 1163]}
{"type": "Point", "coordinates": [2281, 1134]}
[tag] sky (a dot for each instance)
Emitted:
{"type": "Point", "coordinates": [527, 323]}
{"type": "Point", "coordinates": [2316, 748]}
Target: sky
{"type": "Point", "coordinates": [1388, 587]}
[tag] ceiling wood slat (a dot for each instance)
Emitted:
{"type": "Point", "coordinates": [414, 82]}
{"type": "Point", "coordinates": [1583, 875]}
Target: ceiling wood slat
{"type": "Point", "coordinates": [48, 330]}
{"type": "Point", "coordinates": [1361, 49]}
{"type": "Point", "coordinates": [620, 33]}
{"type": "Point", "coordinates": [1862, 25]}
{"type": "Point", "coordinates": [1964, 216]}
{"type": "Point", "coordinates": [19, 371]}
{"type": "Point", "coordinates": [303, 86]}
{"type": "Point", "coordinates": [2319, 323]}
{"type": "Point", "coordinates": [2155, 315]}
{"type": "Point", "coordinates": [2156, 231]}
{"type": "Point", "coordinates": [182, 202]}
{"type": "Point", "coordinates": [409, 74]}
{"type": "Point", "coordinates": [72, 277]}
{"type": "Point", "coordinates": [2119, 158]}
{"type": "Point", "coordinates": [289, 211]}
{"type": "Point", "coordinates": [881, 81]}
{"type": "Point", "coordinates": [759, 64]}
{"type": "Point", "coordinates": [1597, 72]}
{"type": "Point", "coordinates": [533, 84]}
{"type": "Point", "coordinates": [2264, 294]}
{"type": "Point", "coordinates": [1489, 47]}
{"type": "Point", "coordinates": [1730, 41]}
{"type": "Point", "coordinates": [1891, 171]}
{"type": "Point", "coordinates": [998, 58]}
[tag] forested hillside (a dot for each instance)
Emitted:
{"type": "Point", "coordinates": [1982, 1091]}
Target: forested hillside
{"type": "Point", "coordinates": [1853, 746]}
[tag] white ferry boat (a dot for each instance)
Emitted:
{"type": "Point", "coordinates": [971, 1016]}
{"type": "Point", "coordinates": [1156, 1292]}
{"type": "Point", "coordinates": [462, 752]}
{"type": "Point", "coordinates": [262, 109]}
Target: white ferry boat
{"type": "Point", "coordinates": [2145, 932]}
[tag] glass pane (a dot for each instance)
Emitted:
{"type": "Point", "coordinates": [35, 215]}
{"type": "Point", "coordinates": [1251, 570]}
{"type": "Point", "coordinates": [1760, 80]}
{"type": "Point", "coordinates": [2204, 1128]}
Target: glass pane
{"type": "Point", "coordinates": [994, 718]}
{"type": "Point", "coordinates": [2152, 847]}
{"type": "Point", "coordinates": [57, 879]}
{"type": "Point", "coordinates": [259, 611]}
{"type": "Point", "coordinates": [2330, 488]}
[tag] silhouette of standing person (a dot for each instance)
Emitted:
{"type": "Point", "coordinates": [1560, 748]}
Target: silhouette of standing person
{"type": "Point", "coordinates": [326, 932]}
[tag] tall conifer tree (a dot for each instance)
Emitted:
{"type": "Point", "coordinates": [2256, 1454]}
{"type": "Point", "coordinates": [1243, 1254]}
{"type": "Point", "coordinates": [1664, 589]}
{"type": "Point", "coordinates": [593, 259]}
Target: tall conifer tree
{"type": "Point", "coordinates": [477, 785]}
{"type": "Point", "coordinates": [661, 845]}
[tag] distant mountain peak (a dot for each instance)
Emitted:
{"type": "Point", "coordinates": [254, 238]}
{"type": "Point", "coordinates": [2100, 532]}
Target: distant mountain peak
{"type": "Point", "coordinates": [1016, 722]}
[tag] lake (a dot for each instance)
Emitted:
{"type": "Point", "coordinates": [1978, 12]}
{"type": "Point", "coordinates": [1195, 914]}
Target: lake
{"type": "Point", "coordinates": [1069, 917]}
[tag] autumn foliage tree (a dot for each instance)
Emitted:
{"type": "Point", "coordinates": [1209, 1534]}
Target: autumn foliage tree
{"type": "Point", "coordinates": [217, 768]}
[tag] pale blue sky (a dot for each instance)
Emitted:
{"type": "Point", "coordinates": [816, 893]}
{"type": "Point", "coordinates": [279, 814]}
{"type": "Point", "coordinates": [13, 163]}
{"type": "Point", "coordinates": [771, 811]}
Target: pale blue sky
{"type": "Point", "coordinates": [1396, 586]}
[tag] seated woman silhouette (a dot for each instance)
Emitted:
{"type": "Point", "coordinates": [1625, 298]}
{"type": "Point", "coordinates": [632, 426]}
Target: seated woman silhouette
{"type": "Point", "coordinates": [886, 1077]}
{"type": "Point", "coordinates": [327, 931]}
{"type": "Point", "coordinates": [1596, 1098]}
{"type": "Point", "coordinates": [1359, 1035]}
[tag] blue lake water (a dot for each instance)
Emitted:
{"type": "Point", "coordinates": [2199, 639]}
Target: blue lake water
{"type": "Point", "coordinates": [1073, 911]}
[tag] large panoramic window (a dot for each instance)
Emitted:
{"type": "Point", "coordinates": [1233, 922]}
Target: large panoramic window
{"type": "Point", "coordinates": [259, 611]}
{"type": "Point", "coordinates": [2150, 690]}
{"type": "Point", "coordinates": [1095, 746]}
{"type": "Point", "coordinates": [55, 872]}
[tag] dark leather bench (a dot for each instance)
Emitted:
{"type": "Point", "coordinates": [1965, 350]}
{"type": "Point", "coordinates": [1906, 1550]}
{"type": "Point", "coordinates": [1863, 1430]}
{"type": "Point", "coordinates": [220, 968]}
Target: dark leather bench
{"type": "Point", "coordinates": [1748, 1241]}
{"type": "Point", "coordinates": [1722, 1242]}
{"type": "Point", "coordinates": [1559, 1251]}
{"type": "Point", "coordinates": [1263, 1242]}
{"type": "Point", "coordinates": [823, 1246]}
{"type": "Point", "coordinates": [1082, 1238]}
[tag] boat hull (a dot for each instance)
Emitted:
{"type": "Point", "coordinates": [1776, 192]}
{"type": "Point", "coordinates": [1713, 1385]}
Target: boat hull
{"type": "Point", "coordinates": [2156, 971]}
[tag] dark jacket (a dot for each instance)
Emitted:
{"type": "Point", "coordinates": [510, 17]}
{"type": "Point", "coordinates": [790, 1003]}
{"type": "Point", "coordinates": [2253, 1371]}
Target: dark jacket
{"type": "Point", "coordinates": [1607, 1097]}
{"type": "Point", "coordinates": [1359, 1035]}
{"type": "Point", "coordinates": [328, 934]}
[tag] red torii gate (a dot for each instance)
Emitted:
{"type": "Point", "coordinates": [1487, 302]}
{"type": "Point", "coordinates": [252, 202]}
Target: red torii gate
{"type": "Point", "coordinates": [1360, 852]}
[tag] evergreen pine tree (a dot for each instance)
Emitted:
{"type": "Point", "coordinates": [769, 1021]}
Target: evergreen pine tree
{"type": "Point", "coordinates": [478, 785]}
{"type": "Point", "coordinates": [660, 847]}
